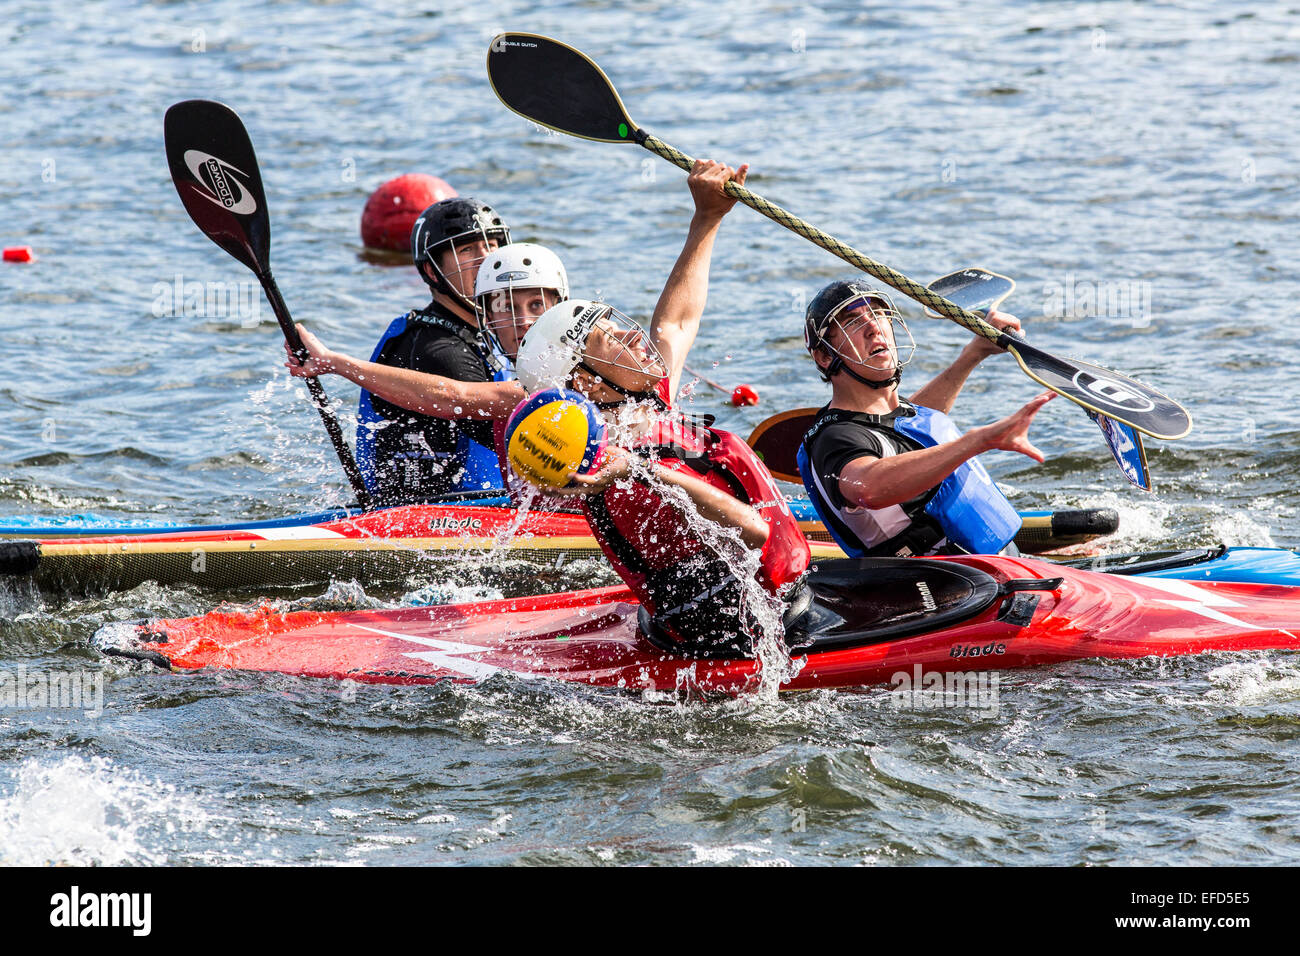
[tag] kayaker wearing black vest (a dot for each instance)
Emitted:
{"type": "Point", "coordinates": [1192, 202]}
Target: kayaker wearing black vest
{"type": "Point", "coordinates": [515, 285]}
{"type": "Point", "coordinates": [405, 456]}
{"type": "Point", "coordinates": [892, 477]}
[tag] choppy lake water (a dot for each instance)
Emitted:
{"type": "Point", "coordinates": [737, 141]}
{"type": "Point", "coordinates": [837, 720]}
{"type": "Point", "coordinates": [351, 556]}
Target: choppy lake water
{"type": "Point", "coordinates": [1131, 165]}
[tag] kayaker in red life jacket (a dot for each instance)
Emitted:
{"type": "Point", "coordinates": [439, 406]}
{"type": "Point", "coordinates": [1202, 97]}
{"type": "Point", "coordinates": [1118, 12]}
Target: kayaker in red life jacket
{"type": "Point", "coordinates": [892, 477]}
{"type": "Point", "coordinates": [687, 570]}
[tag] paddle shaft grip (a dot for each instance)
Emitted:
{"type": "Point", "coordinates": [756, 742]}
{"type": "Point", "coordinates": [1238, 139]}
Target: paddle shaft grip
{"type": "Point", "coordinates": [316, 390]}
{"type": "Point", "coordinates": [1023, 353]}
{"type": "Point", "coordinates": [909, 287]}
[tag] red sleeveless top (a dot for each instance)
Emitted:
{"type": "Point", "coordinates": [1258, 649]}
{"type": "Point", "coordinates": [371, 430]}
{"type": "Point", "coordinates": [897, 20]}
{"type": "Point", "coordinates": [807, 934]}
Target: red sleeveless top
{"type": "Point", "coordinates": [684, 581]}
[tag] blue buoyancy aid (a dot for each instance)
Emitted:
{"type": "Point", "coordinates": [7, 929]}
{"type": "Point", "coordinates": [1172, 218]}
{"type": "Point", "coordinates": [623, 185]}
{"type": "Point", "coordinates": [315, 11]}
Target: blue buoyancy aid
{"type": "Point", "coordinates": [476, 463]}
{"type": "Point", "coordinates": [974, 515]}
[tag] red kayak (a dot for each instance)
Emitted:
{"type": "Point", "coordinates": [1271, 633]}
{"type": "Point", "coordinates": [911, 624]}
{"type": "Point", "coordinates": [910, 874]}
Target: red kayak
{"type": "Point", "coordinates": [865, 622]}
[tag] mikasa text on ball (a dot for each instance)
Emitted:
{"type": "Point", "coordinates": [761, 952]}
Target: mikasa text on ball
{"type": "Point", "coordinates": [552, 434]}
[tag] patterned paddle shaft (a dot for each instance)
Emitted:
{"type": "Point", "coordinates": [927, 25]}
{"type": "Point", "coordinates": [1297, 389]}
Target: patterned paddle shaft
{"type": "Point", "coordinates": [909, 287]}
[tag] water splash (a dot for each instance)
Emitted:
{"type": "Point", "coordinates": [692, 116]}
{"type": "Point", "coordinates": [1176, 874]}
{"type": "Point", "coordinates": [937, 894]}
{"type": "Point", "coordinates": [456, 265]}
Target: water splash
{"type": "Point", "coordinates": [446, 593]}
{"type": "Point", "coordinates": [1246, 683]}
{"type": "Point", "coordinates": [762, 609]}
{"type": "Point", "coordinates": [87, 812]}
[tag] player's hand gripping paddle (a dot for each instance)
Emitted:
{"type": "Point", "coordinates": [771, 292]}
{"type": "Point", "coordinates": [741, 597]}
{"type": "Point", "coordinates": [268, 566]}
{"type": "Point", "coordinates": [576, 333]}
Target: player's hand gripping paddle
{"type": "Point", "coordinates": [979, 290]}
{"type": "Point", "coordinates": [557, 86]}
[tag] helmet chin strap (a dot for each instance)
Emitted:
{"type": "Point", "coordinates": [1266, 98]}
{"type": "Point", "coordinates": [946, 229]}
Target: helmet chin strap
{"type": "Point", "coordinates": [838, 366]}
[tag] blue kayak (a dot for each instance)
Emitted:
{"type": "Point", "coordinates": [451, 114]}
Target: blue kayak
{"type": "Point", "coordinates": [1240, 565]}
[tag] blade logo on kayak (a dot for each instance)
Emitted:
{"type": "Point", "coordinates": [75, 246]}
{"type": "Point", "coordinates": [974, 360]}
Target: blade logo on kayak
{"type": "Point", "coordinates": [1113, 393]}
{"type": "Point", "coordinates": [455, 524]}
{"type": "Point", "coordinates": [977, 650]}
{"type": "Point", "coordinates": [221, 188]}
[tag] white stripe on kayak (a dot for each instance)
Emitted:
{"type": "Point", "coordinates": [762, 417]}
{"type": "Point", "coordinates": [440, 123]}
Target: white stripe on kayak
{"type": "Point", "coordinates": [1186, 589]}
{"type": "Point", "coordinates": [441, 656]}
{"type": "Point", "coordinates": [1198, 600]}
{"type": "Point", "coordinates": [295, 534]}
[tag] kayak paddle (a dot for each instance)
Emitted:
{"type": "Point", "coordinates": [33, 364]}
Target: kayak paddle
{"type": "Point", "coordinates": [973, 289]}
{"type": "Point", "coordinates": [557, 86]}
{"type": "Point", "coordinates": [979, 290]}
{"type": "Point", "coordinates": [216, 174]}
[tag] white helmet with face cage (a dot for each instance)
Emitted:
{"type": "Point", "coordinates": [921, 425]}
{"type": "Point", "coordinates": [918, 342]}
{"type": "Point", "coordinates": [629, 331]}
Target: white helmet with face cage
{"type": "Point", "coordinates": [507, 273]}
{"type": "Point", "coordinates": [557, 345]}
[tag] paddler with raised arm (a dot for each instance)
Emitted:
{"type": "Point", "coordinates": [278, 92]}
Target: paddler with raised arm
{"type": "Point", "coordinates": [684, 512]}
{"type": "Point", "coordinates": [892, 477]}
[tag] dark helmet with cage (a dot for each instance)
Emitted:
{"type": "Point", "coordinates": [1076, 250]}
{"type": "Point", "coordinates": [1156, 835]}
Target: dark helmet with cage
{"type": "Point", "coordinates": [836, 316]}
{"type": "Point", "coordinates": [454, 224]}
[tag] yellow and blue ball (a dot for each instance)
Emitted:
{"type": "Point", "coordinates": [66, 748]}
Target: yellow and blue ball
{"type": "Point", "coordinates": [552, 434]}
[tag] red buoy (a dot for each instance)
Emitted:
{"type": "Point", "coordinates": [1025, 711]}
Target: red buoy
{"type": "Point", "coordinates": [19, 254]}
{"type": "Point", "coordinates": [744, 395]}
{"type": "Point", "coordinates": [392, 209]}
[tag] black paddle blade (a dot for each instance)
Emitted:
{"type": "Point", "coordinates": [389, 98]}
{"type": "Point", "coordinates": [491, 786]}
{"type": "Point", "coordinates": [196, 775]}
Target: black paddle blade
{"type": "Point", "coordinates": [215, 171]}
{"type": "Point", "coordinates": [554, 85]}
{"type": "Point", "coordinates": [1103, 391]}
{"type": "Point", "coordinates": [974, 289]}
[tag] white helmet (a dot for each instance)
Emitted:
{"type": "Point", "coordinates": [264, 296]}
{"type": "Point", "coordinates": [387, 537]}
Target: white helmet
{"type": "Point", "coordinates": [556, 345]}
{"type": "Point", "coordinates": [552, 348]}
{"type": "Point", "coordinates": [507, 271]}
{"type": "Point", "coordinates": [521, 265]}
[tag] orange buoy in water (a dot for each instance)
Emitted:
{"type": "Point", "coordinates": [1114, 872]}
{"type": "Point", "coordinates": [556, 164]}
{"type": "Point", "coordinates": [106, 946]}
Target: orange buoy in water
{"type": "Point", "coordinates": [391, 210]}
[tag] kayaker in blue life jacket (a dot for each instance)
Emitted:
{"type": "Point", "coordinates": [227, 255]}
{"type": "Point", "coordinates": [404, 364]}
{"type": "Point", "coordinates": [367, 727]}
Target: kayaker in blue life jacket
{"type": "Point", "coordinates": [893, 477]}
{"type": "Point", "coordinates": [515, 285]}
{"type": "Point", "coordinates": [405, 455]}
{"type": "Point", "coordinates": [462, 380]}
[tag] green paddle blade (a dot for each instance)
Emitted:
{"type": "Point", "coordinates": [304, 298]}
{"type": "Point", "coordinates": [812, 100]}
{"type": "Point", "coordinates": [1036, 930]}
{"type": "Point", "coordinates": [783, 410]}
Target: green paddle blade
{"type": "Point", "coordinates": [556, 86]}
{"type": "Point", "coordinates": [1103, 391]}
{"type": "Point", "coordinates": [974, 289]}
